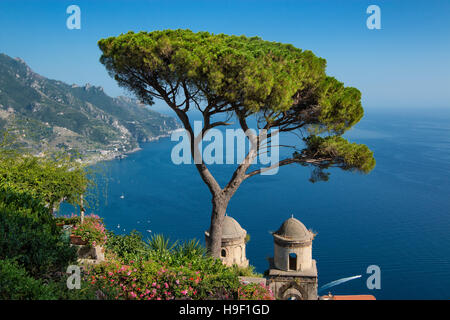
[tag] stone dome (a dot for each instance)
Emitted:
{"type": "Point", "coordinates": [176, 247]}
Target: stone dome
{"type": "Point", "coordinates": [293, 230]}
{"type": "Point", "coordinates": [232, 229]}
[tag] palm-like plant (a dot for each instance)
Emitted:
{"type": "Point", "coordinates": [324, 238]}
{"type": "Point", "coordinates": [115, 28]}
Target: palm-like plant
{"type": "Point", "coordinates": [190, 250]}
{"type": "Point", "coordinates": [160, 247]}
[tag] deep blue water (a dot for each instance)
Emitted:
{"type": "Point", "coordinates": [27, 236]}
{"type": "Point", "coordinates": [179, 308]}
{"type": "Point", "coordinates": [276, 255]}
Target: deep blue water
{"type": "Point", "coordinates": [397, 217]}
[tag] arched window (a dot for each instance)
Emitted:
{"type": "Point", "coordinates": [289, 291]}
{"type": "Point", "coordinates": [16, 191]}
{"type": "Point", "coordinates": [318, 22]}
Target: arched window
{"type": "Point", "coordinates": [292, 261]}
{"type": "Point", "coordinates": [223, 253]}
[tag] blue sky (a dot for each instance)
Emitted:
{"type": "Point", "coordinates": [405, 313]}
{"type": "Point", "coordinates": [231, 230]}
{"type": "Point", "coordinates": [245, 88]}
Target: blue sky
{"type": "Point", "coordinates": [406, 64]}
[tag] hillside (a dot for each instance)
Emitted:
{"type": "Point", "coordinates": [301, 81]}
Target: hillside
{"type": "Point", "coordinates": [48, 114]}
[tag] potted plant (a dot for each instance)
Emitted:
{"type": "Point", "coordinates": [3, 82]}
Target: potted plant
{"type": "Point", "coordinates": [91, 232]}
{"type": "Point", "coordinates": [77, 240]}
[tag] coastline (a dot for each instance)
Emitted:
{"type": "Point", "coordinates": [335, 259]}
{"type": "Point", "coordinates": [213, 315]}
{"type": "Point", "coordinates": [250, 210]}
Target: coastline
{"type": "Point", "coordinates": [115, 155]}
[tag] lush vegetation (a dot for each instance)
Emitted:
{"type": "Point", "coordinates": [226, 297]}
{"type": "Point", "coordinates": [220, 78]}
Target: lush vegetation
{"type": "Point", "coordinates": [34, 254]}
{"type": "Point", "coordinates": [17, 284]}
{"type": "Point", "coordinates": [52, 177]}
{"type": "Point", "coordinates": [159, 270]}
{"type": "Point", "coordinates": [30, 237]}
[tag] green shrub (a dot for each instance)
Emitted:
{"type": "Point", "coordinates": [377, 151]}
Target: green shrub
{"type": "Point", "coordinates": [17, 284]}
{"type": "Point", "coordinates": [128, 247]}
{"type": "Point", "coordinates": [27, 202]}
{"type": "Point", "coordinates": [29, 235]}
{"type": "Point", "coordinates": [189, 252]}
{"type": "Point", "coordinates": [246, 272]}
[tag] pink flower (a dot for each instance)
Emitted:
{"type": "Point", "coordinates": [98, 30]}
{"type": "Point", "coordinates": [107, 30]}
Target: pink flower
{"type": "Point", "coordinates": [184, 292]}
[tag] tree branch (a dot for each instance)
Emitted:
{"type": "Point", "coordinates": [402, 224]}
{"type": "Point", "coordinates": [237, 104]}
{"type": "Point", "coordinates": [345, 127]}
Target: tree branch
{"type": "Point", "coordinates": [289, 161]}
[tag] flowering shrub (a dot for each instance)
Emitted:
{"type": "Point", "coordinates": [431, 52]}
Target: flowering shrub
{"type": "Point", "coordinates": [91, 230]}
{"type": "Point", "coordinates": [159, 270]}
{"type": "Point", "coordinates": [254, 291]}
{"type": "Point", "coordinates": [127, 247]}
{"type": "Point", "coordinates": [149, 280]}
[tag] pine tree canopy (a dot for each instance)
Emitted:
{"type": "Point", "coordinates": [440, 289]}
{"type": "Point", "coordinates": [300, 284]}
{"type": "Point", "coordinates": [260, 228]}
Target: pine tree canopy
{"type": "Point", "coordinates": [282, 86]}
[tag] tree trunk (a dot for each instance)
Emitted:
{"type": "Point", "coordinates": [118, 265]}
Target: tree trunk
{"type": "Point", "coordinates": [220, 198]}
{"type": "Point", "coordinates": [51, 209]}
{"type": "Point", "coordinates": [220, 203]}
{"type": "Point", "coordinates": [82, 210]}
{"type": "Point", "coordinates": [215, 232]}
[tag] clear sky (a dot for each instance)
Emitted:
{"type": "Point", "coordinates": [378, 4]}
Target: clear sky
{"type": "Point", "coordinates": [406, 64]}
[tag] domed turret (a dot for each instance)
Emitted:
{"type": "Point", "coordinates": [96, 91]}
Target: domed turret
{"type": "Point", "coordinates": [231, 229]}
{"type": "Point", "coordinates": [293, 246]}
{"type": "Point", "coordinates": [233, 243]}
{"type": "Point", "coordinates": [293, 230]}
{"type": "Point", "coordinates": [293, 273]}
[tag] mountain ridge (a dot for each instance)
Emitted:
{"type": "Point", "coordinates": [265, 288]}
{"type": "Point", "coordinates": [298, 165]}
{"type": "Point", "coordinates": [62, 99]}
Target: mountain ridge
{"type": "Point", "coordinates": [47, 114]}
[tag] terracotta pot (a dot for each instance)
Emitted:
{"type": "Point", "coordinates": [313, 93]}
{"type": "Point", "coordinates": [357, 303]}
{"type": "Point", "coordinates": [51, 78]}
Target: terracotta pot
{"type": "Point", "coordinates": [74, 239]}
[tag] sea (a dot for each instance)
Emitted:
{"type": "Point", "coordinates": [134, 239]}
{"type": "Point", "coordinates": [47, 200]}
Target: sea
{"type": "Point", "coordinates": [396, 218]}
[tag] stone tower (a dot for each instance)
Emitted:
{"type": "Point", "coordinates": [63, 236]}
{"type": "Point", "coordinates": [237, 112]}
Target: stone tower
{"type": "Point", "coordinates": [293, 273]}
{"type": "Point", "coordinates": [233, 243]}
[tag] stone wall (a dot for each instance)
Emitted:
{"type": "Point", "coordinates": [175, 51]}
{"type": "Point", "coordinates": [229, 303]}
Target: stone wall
{"type": "Point", "coordinates": [295, 288]}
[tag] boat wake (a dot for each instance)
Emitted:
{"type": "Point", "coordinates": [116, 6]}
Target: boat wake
{"type": "Point", "coordinates": [338, 282]}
